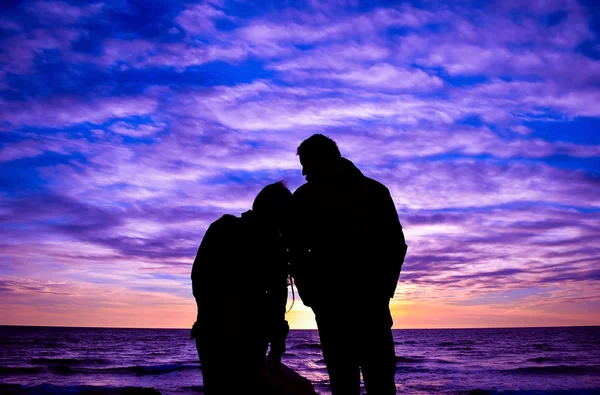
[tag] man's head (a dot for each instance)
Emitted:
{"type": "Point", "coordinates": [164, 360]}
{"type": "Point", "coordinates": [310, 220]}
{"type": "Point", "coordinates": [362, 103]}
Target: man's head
{"type": "Point", "coordinates": [317, 154]}
{"type": "Point", "coordinates": [272, 202]}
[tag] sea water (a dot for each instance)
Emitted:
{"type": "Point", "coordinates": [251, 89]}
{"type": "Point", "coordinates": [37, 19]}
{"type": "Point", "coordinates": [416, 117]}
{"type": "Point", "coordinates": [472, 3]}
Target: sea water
{"type": "Point", "coordinates": [528, 361]}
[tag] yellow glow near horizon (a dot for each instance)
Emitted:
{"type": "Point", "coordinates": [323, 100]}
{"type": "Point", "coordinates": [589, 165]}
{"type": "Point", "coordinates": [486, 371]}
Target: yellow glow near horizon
{"type": "Point", "coordinates": [83, 304]}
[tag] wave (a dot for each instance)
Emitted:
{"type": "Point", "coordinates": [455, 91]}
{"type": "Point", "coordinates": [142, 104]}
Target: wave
{"type": "Point", "coordinates": [48, 389]}
{"type": "Point", "coordinates": [443, 361]}
{"type": "Point", "coordinates": [415, 359]}
{"type": "Point", "coordinates": [138, 370]}
{"type": "Point", "coordinates": [582, 391]}
{"type": "Point", "coordinates": [62, 369]}
{"type": "Point", "coordinates": [542, 347]}
{"type": "Point", "coordinates": [149, 370]}
{"type": "Point", "coordinates": [557, 369]}
{"type": "Point", "coordinates": [547, 359]}
{"type": "Point", "coordinates": [457, 343]}
{"type": "Point", "coordinates": [11, 370]}
{"type": "Point", "coordinates": [399, 342]}
{"type": "Point", "coordinates": [461, 349]}
{"type": "Point", "coordinates": [411, 369]}
{"type": "Point", "coordinates": [69, 361]}
{"type": "Point", "coordinates": [311, 346]}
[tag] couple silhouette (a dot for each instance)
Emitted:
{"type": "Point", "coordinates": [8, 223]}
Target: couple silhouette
{"type": "Point", "coordinates": [339, 238]}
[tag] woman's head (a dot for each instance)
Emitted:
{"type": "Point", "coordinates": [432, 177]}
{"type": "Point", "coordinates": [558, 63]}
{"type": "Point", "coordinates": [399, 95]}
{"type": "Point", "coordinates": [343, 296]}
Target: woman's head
{"type": "Point", "coordinates": [272, 202]}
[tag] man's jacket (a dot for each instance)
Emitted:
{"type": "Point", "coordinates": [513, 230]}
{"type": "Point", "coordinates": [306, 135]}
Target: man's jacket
{"type": "Point", "coordinates": [345, 238]}
{"type": "Point", "coordinates": [239, 280]}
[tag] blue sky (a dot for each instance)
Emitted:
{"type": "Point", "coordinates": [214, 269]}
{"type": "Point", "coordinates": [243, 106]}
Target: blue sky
{"type": "Point", "coordinates": [127, 127]}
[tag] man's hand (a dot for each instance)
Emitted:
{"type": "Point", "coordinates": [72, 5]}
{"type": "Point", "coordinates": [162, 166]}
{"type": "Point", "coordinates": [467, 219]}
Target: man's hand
{"type": "Point", "coordinates": [274, 360]}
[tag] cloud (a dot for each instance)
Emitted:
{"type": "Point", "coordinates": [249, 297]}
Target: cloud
{"type": "Point", "coordinates": [86, 304]}
{"type": "Point", "coordinates": [476, 183]}
{"type": "Point", "coordinates": [19, 52]}
{"type": "Point", "coordinates": [64, 111]}
{"type": "Point", "coordinates": [39, 145]}
{"type": "Point", "coordinates": [126, 129]}
{"type": "Point", "coordinates": [145, 54]}
{"type": "Point", "coordinates": [332, 57]}
{"type": "Point", "coordinates": [389, 144]}
{"type": "Point", "coordinates": [308, 27]}
{"type": "Point", "coordinates": [50, 12]}
{"type": "Point", "coordinates": [381, 76]}
{"type": "Point", "coordinates": [129, 130]}
{"type": "Point", "coordinates": [199, 18]}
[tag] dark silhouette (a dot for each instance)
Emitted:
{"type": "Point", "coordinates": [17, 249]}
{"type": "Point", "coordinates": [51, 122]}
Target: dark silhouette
{"type": "Point", "coordinates": [239, 280]}
{"type": "Point", "coordinates": [346, 249]}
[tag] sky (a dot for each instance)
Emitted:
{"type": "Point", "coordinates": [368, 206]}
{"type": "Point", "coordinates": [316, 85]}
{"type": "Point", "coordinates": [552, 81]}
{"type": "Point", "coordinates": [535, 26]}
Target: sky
{"type": "Point", "coordinates": [127, 127]}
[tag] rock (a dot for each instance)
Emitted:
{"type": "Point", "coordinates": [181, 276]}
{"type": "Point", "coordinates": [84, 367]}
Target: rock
{"type": "Point", "coordinates": [286, 381]}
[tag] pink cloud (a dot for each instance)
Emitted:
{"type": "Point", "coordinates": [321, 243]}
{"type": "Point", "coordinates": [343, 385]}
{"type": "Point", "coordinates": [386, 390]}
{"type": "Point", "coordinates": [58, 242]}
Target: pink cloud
{"type": "Point", "coordinates": [76, 303]}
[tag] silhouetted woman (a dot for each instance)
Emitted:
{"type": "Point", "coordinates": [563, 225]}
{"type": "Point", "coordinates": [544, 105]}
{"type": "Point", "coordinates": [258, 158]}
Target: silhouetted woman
{"type": "Point", "coordinates": [239, 280]}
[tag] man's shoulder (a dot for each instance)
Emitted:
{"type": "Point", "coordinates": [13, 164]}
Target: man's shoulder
{"type": "Point", "coordinates": [376, 186]}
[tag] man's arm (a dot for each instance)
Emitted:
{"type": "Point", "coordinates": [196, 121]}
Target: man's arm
{"type": "Point", "coordinates": [277, 301]}
{"type": "Point", "coordinates": [394, 243]}
{"type": "Point", "coordinates": [297, 237]}
{"type": "Point", "coordinates": [204, 258]}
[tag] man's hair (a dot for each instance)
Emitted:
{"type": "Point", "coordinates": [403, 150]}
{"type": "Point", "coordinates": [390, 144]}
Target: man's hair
{"type": "Point", "coordinates": [273, 199]}
{"type": "Point", "coordinates": [319, 146]}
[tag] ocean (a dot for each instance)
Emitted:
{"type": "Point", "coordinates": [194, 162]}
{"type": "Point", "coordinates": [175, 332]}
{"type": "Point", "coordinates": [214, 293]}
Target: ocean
{"type": "Point", "coordinates": [528, 361]}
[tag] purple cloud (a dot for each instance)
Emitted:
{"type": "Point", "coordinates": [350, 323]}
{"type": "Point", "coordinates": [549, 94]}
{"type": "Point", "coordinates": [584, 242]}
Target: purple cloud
{"type": "Point", "coordinates": [65, 111]}
{"type": "Point", "coordinates": [125, 132]}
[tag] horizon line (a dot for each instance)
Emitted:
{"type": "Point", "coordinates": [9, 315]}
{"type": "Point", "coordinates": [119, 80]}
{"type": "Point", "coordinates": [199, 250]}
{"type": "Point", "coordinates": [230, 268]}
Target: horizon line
{"type": "Point", "coordinates": [303, 329]}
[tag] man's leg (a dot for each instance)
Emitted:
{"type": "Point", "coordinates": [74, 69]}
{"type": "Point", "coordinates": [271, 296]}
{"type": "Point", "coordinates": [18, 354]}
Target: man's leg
{"type": "Point", "coordinates": [339, 351]}
{"type": "Point", "coordinates": [377, 354]}
{"type": "Point", "coordinates": [212, 367]}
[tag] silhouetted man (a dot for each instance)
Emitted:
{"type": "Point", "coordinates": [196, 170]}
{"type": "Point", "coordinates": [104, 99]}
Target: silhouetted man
{"type": "Point", "coordinates": [239, 280]}
{"type": "Point", "coordinates": [347, 249]}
